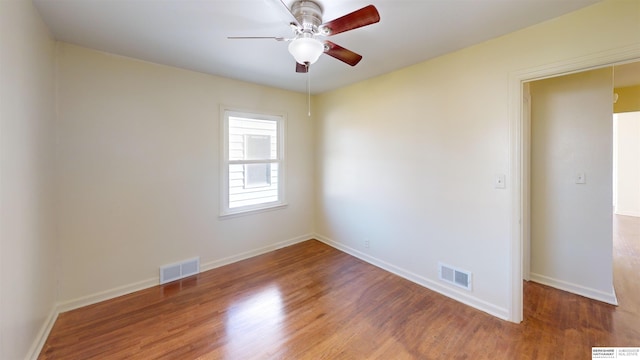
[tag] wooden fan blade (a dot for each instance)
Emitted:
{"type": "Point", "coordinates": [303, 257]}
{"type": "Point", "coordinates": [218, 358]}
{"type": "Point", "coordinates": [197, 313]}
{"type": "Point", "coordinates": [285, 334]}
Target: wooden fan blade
{"type": "Point", "coordinates": [302, 68]}
{"type": "Point", "coordinates": [359, 18]}
{"type": "Point", "coordinates": [341, 53]}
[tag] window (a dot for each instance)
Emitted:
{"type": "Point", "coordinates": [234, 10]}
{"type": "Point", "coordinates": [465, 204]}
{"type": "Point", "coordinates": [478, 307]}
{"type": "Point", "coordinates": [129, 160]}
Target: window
{"type": "Point", "coordinates": [257, 147]}
{"type": "Point", "coordinates": [252, 162]}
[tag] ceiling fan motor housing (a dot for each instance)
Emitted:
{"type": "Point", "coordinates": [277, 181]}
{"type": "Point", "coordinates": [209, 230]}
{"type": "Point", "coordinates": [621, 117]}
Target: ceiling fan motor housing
{"type": "Point", "coordinates": [309, 15]}
{"type": "Point", "coordinates": [307, 25]}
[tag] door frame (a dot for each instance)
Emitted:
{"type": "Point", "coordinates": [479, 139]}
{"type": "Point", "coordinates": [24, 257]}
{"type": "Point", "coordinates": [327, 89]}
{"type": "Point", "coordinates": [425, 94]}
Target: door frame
{"type": "Point", "coordinates": [519, 139]}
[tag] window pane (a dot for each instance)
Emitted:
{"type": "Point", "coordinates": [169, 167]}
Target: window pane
{"type": "Point", "coordinates": [253, 162]}
{"type": "Point", "coordinates": [251, 139]}
{"type": "Point", "coordinates": [252, 184]}
{"type": "Point", "coordinates": [257, 175]}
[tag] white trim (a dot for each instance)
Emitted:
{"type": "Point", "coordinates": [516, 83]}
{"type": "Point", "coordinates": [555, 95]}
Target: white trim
{"type": "Point", "coordinates": [106, 295]}
{"type": "Point", "coordinates": [210, 265]}
{"type": "Point", "coordinates": [627, 213]}
{"type": "Point", "coordinates": [254, 211]}
{"type": "Point", "coordinates": [61, 307]}
{"type": "Point", "coordinates": [609, 298]}
{"type": "Point", "coordinates": [145, 284]}
{"type": "Point", "coordinates": [251, 209]}
{"type": "Point", "coordinates": [454, 294]}
{"type": "Point", "coordinates": [281, 120]}
{"type": "Point", "coordinates": [525, 182]}
{"type": "Point", "coordinates": [516, 142]}
{"type": "Point", "coordinates": [517, 197]}
{"type": "Point", "coordinates": [43, 334]}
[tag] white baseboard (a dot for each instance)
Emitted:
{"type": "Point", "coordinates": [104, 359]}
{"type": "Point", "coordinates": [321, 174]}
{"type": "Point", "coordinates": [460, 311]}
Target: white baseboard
{"type": "Point", "coordinates": [43, 334]}
{"type": "Point", "coordinates": [144, 284]}
{"type": "Point", "coordinates": [61, 307]}
{"type": "Point", "coordinates": [107, 294]}
{"type": "Point", "coordinates": [609, 298]}
{"type": "Point", "coordinates": [210, 265]}
{"type": "Point", "coordinates": [459, 296]}
{"type": "Point", "coordinates": [627, 213]}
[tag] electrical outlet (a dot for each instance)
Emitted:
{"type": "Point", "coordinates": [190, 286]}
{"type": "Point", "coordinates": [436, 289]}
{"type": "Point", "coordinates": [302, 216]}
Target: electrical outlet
{"type": "Point", "coordinates": [366, 244]}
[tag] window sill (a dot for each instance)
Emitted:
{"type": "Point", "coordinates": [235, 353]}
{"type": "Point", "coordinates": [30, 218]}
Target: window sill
{"type": "Point", "coordinates": [238, 213]}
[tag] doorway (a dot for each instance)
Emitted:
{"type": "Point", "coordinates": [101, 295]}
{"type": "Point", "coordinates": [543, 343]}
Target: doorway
{"type": "Point", "coordinates": [570, 183]}
{"type": "Point", "coordinates": [519, 144]}
{"type": "Point", "coordinates": [567, 258]}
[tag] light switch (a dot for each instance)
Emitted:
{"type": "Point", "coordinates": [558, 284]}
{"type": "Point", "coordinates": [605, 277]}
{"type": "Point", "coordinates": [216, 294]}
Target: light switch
{"type": "Point", "coordinates": [500, 181]}
{"type": "Point", "coordinates": [581, 178]}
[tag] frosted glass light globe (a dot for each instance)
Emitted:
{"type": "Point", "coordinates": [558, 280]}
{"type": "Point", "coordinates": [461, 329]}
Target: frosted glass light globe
{"type": "Point", "coordinates": [306, 50]}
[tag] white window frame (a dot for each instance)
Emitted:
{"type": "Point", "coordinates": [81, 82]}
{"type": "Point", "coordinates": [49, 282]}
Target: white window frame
{"type": "Point", "coordinates": [225, 113]}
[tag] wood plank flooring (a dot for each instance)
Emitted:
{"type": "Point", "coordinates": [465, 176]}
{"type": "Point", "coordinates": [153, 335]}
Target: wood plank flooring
{"type": "Point", "coordinates": [310, 301]}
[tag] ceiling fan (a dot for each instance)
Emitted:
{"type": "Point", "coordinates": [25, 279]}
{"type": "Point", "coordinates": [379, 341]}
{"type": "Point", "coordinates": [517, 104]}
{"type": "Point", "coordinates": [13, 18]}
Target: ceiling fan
{"type": "Point", "coordinates": [307, 26]}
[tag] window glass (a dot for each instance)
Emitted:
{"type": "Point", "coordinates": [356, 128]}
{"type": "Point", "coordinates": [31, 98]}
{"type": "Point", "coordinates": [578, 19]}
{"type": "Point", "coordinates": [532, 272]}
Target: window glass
{"type": "Point", "coordinates": [252, 162]}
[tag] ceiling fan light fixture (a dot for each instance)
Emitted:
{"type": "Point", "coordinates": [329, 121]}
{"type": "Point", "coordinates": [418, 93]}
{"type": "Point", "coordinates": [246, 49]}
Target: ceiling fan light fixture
{"type": "Point", "coordinates": [306, 50]}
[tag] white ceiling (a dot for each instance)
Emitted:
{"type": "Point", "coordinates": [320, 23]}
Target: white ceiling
{"type": "Point", "coordinates": [192, 34]}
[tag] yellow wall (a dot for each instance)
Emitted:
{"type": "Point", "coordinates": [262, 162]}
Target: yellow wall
{"type": "Point", "coordinates": [28, 249]}
{"type": "Point", "coordinates": [408, 160]}
{"type": "Point", "coordinates": [138, 161]}
{"type": "Point", "coordinates": [628, 99]}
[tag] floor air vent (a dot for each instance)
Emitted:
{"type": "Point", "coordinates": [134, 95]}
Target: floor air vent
{"type": "Point", "coordinates": [455, 276]}
{"type": "Point", "coordinates": [179, 270]}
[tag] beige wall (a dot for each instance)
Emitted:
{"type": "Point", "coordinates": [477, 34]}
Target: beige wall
{"type": "Point", "coordinates": [27, 234]}
{"type": "Point", "coordinates": [571, 223]}
{"type": "Point", "coordinates": [628, 99]}
{"type": "Point", "coordinates": [627, 158]}
{"type": "Point", "coordinates": [408, 160]}
{"type": "Point", "coordinates": [138, 172]}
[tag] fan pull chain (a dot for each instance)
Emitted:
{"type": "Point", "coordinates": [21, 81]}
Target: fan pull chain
{"type": "Point", "coordinates": [308, 92]}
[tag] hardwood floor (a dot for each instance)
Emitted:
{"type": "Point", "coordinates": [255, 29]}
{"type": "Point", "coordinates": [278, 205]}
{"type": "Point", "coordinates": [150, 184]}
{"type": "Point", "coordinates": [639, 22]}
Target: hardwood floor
{"type": "Point", "coordinates": [310, 301]}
